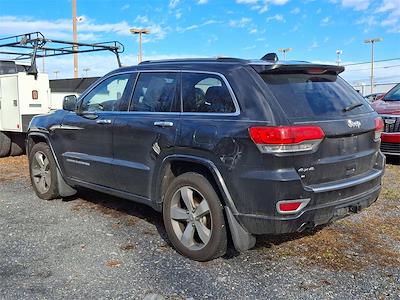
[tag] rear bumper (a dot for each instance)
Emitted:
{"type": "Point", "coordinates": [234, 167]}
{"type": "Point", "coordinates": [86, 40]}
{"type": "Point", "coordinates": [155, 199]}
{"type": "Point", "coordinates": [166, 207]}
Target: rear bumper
{"type": "Point", "coordinates": [328, 202]}
{"type": "Point", "coordinates": [309, 218]}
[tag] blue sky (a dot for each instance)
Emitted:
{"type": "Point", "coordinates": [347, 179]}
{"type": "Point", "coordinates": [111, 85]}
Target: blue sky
{"type": "Point", "coordinates": [241, 28]}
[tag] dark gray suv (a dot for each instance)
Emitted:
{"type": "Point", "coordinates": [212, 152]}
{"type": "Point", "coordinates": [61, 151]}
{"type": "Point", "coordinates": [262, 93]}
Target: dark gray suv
{"type": "Point", "coordinates": [222, 147]}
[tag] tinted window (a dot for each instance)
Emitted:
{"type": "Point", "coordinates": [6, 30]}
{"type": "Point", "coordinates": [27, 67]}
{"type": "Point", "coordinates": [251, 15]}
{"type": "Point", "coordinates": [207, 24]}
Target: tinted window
{"type": "Point", "coordinates": [156, 92]}
{"type": "Point", "coordinates": [393, 94]}
{"type": "Point", "coordinates": [303, 95]}
{"type": "Point", "coordinates": [7, 67]}
{"type": "Point", "coordinates": [205, 93]}
{"type": "Point", "coordinates": [107, 95]}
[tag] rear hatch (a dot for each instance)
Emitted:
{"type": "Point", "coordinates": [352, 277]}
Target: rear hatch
{"type": "Point", "coordinates": [314, 95]}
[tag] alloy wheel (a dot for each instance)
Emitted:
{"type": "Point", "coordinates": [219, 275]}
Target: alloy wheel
{"type": "Point", "coordinates": [191, 218]}
{"type": "Point", "coordinates": [41, 173]}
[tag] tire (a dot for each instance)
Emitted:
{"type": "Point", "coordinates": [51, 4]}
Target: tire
{"type": "Point", "coordinates": [5, 144]}
{"type": "Point", "coordinates": [43, 172]}
{"type": "Point", "coordinates": [199, 234]}
{"type": "Point", "coordinates": [17, 145]}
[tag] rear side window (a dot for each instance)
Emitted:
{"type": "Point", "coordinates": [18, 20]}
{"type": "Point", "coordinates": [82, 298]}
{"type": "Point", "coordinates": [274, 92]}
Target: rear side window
{"type": "Point", "coordinates": [315, 96]}
{"type": "Point", "coordinates": [155, 92]}
{"type": "Point", "coordinates": [205, 93]}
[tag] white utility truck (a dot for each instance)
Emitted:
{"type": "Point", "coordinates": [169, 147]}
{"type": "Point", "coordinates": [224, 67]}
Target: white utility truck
{"type": "Point", "coordinates": [25, 93]}
{"type": "Point", "coordinates": [22, 96]}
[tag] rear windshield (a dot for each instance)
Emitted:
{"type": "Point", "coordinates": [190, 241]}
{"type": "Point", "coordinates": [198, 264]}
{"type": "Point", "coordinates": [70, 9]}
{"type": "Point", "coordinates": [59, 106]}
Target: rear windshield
{"type": "Point", "coordinates": [393, 94]}
{"type": "Point", "coordinates": [318, 96]}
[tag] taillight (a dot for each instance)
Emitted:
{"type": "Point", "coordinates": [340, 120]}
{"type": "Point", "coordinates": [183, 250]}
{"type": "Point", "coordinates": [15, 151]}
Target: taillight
{"type": "Point", "coordinates": [291, 206]}
{"type": "Point", "coordinates": [286, 139]}
{"type": "Point", "coordinates": [379, 125]}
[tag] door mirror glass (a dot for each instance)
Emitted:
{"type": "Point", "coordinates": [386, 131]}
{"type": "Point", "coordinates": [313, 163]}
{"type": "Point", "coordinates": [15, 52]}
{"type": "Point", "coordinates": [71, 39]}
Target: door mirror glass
{"type": "Point", "coordinates": [70, 103]}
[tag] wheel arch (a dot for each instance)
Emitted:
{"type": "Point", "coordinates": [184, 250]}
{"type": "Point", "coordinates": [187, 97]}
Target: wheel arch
{"type": "Point", "coordinates": [176, 164]}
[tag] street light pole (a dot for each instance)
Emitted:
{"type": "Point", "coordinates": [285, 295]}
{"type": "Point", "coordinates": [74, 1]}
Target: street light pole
{"type": "Point", "coordinates": [372, 42]}
{"type": "Point", "coordinates": [338, 53]}
{"type": "Point", "coordinates": [140, 31]}
{"type": "Point", "coordinates": [75, 38]}
{"type": "Point", "coordinates": [284, 51]}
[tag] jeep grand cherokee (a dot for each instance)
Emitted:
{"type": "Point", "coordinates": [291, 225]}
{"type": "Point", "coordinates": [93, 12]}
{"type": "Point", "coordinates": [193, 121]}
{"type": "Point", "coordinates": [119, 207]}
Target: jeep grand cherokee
{"type": "Point", "coordinates": [219, 146]}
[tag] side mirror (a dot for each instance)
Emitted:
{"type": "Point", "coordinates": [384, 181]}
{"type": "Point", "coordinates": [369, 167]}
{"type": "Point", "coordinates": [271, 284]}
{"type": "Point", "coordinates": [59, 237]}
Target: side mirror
{"type": "Point", "coordinates": [70, 103]}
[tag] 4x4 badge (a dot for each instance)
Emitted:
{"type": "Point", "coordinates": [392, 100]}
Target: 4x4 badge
{"type": "Point", "coordinates": [353, 124]}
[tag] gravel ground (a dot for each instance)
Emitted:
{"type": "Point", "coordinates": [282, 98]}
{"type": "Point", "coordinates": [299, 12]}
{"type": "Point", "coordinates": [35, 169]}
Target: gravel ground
{"type": "Point", "coordinates": [99, 247]}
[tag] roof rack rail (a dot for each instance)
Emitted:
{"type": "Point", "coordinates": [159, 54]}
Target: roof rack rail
{"type": "Point", "coordinates": [212, 59]}
{"type": "Point", "coordinates": [34, 45]}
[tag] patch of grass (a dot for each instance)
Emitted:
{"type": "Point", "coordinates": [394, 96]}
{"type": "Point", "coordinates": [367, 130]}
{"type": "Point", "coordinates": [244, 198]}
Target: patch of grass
{"type": "Point", "coordinates": [132, 221]}
{"type": "Point", "coordinates": [128, 247]}
{"type": "Point", "coordinates": [114, 263]}
{"type": "Point", "coordinates": [14, 168]}
{"type": "Point", "coordinates": [83, 204]}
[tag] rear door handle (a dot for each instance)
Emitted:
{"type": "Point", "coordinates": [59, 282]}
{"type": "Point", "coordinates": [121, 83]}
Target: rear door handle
{"type": "Point", "coordinates": [103, 121]}
{"type": "Point", "coordinates": [163, 124]}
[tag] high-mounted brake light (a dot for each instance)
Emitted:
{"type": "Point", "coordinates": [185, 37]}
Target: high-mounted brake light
{"type": "Point", "coordinates": [291, 206]}
{"type": "Point", "coordinates": [379, 126]}
{"type": "Point", "coordinates": [316, 71]}
{"type": "Point", "coordinates": [286, 139]}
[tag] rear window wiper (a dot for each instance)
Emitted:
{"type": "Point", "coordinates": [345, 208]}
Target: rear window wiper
{"type": "Point", "coordinates": [351, 107]}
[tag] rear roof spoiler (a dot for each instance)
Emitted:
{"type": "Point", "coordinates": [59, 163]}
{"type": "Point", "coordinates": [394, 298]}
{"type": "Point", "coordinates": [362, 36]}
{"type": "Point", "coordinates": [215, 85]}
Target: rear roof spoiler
{"type": "Point", "coordinates": [306, 68]}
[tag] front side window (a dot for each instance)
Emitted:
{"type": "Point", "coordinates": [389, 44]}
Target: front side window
{"type": "Point", "coordinates": [108, 95]}
{"type": "Point", "coordinates": [205, 93]}
{"type": "Point", "coordinates": [156, 92]}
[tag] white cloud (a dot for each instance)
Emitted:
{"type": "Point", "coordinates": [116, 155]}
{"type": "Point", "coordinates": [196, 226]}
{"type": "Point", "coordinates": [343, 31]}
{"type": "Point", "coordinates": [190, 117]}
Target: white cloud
{"type": "Point", "coordinates": [295, 11]}
{"type": "Point", "coordinates": [354, 4]}
{"type": "Point", "coordinates": [239, 23]}
{"type": "Point", "coordinates": [142, 19]}
{"type": "Point", "coordinates": [125, 7]}
{"type": "Point", "coordinates": [392, 19]}
{"type": "Point", "coordinates": [313, 46]}
{"type": "Point", "coordinates": [247, 1]}
{"type": "Point", "coordinates": [253, 30]}
{"type": "Point", "coordinates": [318, 11]}
{"type": "Point", "coordinates": [261, 5]}
{"type": "Point", "coordinates": [277, 17]}
{"type": "Point", "coordinates": [178, 14]}
{"type": "Point", "coordinates": [195, 26]}
{"type": "Point", "coordinates": [89, 29]}
{"type": "Point", "coordinates": [326, 21]}
{"type": "Point", "coordinates": [173, 3]}
{"type": "Point", "coordinates": [250, 47]}
{"type": "Point", "coordinates": [202, 1]}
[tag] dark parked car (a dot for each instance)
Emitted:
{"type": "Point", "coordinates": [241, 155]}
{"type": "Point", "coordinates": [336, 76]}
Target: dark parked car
{"type": "Point", "coordinates": [222, 147]}
{"type": "Point", "coordinates": [389, 109]}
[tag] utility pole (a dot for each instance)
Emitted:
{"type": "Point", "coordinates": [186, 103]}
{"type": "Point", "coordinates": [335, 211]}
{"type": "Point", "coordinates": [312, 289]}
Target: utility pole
{"type": "Point", "coordinates": [338, 53]}
{"type": "Point", "coordinates": [56, 73]}
{"type": "Point", "coordinates": [372, 42]}
{"type": "Point", "coordinates": [75, 38]}
{"type": "Point", "coordinates": [284, 51]}
{"type": "Point", "coordinates": [140, 31]}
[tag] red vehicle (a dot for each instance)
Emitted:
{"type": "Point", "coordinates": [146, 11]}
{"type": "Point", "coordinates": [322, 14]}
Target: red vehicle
{"type": "Point", "coordinates": [389, 109]}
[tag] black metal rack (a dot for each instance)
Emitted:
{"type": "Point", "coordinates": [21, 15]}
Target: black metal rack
{"type": "Point", "coordinates": [34, 45]}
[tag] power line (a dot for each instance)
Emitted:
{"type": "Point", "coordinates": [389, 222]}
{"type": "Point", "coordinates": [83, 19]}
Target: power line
{"type": "Point", "coordinates": [368, 62]}
{"type": "Point", "coordinates": [382, 67]}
